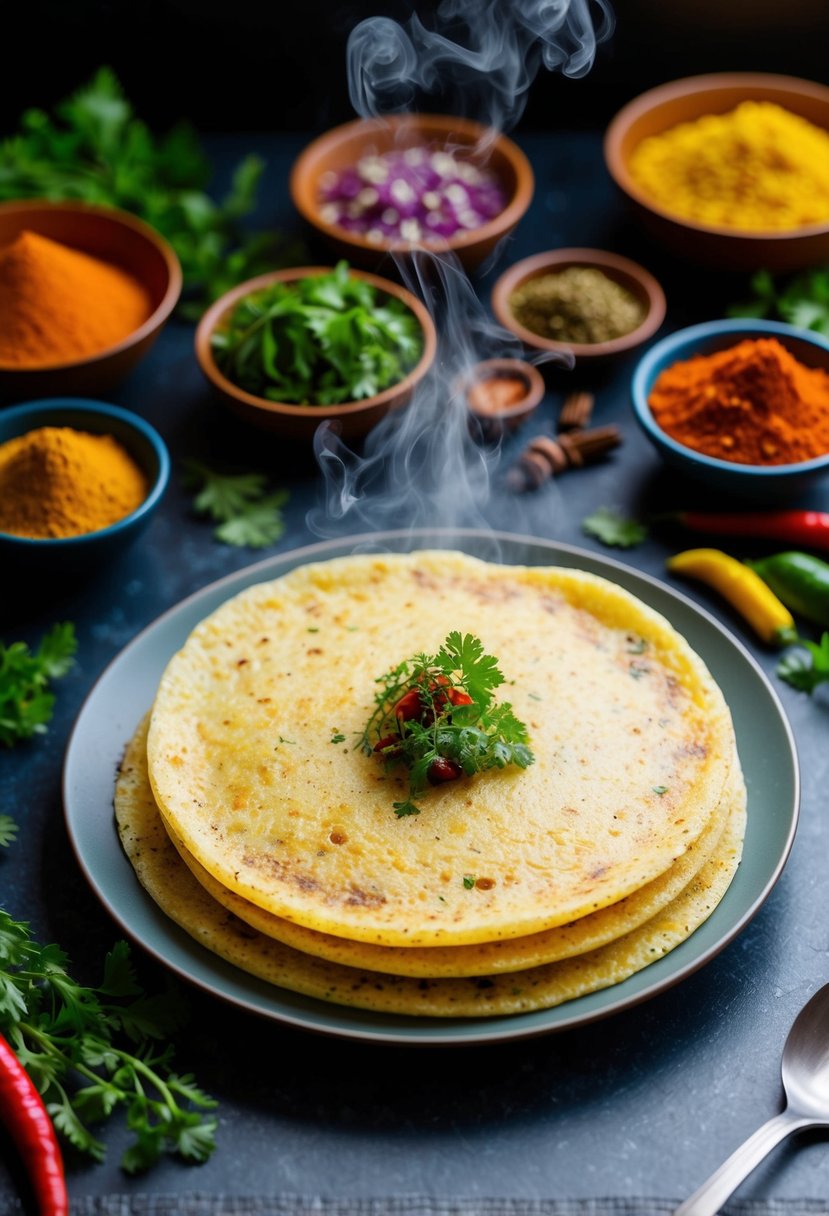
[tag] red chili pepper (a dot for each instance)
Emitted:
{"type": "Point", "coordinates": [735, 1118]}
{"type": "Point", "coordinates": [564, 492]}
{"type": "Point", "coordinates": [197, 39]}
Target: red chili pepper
{"type": "Point", "coordinates": [409, 706]}
{"type": "Point", "coordinates": [809, 529]}
{"type": "Point", "coordinates": [25, 1117]}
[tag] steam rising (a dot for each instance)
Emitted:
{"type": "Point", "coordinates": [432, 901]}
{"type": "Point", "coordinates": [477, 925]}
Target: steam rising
{"type": "Point", "coordinates": [487, 77]}
{"type": "Point", "coordinates": [421, 466]}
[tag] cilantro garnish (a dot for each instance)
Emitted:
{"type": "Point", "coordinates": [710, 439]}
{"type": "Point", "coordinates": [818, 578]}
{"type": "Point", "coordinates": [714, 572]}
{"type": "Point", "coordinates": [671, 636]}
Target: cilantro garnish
{"type": "Point", "coordinates": [25, 700]}
{"type": "Point", "coordinates": [469, 881]}
{"type": "Point", "coordinates": [92, 1050]}
{"type": "Point", "coordinates": [246, 515]}
{"type": "Point", "coordinates": [436, 714]}
{"type": "Point", "coordinates": [8, 830]}
{"type": "Point", "coordinates": [612, 528]}
{"type": "Point", "coordinates": [338, 738]}
{"type": "Point", "coordinates": [802, 301]}
{"type": "Point", "coordinates": [807, 665]}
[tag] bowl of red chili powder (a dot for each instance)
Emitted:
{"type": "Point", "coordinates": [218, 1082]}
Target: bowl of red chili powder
{"type": "Point", "coordinates": [84, 293]}
{"type": "Point", "coordinates": [740, 405]}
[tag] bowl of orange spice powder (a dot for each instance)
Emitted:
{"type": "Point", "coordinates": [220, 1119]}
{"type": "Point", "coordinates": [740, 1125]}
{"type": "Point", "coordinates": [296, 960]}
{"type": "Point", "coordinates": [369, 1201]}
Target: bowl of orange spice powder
{"type": "Point", "coordinates": [84, 293]}
{"type": "Point", "coordinates": [740, 405]}
{"type": "Point", "coordinates": [79, 481]}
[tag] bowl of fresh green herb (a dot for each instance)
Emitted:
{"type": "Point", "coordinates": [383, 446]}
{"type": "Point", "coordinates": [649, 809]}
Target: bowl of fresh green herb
{"type": "Point", "coordinates": [291, 349]}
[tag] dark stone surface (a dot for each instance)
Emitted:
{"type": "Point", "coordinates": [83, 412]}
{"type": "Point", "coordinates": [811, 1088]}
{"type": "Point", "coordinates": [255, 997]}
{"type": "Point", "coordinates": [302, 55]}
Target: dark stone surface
{"type": "Point", "coordinates": [645, 1103]}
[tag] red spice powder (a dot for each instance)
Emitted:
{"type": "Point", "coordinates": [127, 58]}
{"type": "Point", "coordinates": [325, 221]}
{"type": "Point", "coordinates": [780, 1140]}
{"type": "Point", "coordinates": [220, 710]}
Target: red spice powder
{"type": "Point", "coordinates": [752, 403]}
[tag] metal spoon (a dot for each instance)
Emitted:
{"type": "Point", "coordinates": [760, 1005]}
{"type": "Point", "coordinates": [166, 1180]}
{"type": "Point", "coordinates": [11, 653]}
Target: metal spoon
{"type": "Point", "coordinates": [805, 1072]}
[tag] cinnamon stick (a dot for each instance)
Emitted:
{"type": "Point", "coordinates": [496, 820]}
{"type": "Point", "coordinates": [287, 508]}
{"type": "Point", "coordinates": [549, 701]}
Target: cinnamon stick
{"type": "Point", "coordinates": [545, 457]}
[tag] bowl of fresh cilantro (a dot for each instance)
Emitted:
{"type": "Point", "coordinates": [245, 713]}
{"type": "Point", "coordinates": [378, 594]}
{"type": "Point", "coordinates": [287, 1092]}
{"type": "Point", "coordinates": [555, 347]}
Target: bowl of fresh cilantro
{"type": "Point", "coordinates": [297, 347]}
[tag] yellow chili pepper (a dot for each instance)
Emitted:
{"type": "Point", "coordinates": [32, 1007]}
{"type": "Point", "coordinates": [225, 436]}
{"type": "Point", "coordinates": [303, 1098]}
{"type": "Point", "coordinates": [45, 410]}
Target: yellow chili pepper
{"type": "Point", "coordinates": [743, 589]}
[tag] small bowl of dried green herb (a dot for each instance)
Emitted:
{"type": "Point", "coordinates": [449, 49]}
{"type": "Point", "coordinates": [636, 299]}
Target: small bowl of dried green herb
{"type": "Point", "coordinates": [587, 301]}
{"type": "Point", "coordinates": [291, 349]}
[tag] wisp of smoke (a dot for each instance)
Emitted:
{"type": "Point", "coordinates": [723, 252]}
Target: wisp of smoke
{"type": "Point", "coordinates": [421, 467]}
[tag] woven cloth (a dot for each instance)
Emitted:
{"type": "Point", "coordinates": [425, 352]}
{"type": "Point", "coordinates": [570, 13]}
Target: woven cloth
{"type": "Point", "coordinates": [412, 1205]}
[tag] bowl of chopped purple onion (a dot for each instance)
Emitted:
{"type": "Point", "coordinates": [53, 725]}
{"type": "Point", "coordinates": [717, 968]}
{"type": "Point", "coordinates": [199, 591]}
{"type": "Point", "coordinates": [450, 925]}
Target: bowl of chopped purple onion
{"type": "Point", "coordinates": [408, 182]}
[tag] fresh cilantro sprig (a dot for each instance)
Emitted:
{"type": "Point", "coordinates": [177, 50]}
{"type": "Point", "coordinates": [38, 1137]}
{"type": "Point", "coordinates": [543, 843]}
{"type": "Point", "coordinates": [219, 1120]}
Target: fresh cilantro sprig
{"type": "Point", "coordinates": [321, 340]}
{"type": "Point", "coordinates": [609, 526]}
{"type": "Point", "coordinates": [807, 665]}
{"type": "Point", "coordinates": [802, 301]}
{"type": "Point", "coordinates": [437, 710]}
{"type": "Point", "coordinates": [26, 703]}
{"type": "Point", "coordinates": [246, 515]}
{"type": "Point", "coordinates": [95, 150]}
{"type": "Point", "coordinates": [90, 1051]}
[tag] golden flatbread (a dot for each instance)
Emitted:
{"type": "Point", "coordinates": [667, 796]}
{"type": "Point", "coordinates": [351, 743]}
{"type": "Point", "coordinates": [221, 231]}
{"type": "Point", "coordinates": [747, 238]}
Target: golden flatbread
{"type": "Point", "coordinates": [632, 738]}
{"type": "Point", "coordinates": [169, 882]}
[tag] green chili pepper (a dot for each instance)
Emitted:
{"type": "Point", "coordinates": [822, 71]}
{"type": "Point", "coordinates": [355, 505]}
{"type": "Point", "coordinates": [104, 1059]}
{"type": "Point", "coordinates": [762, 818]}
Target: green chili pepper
{"type": "Point", "coordinates": [800, 581]}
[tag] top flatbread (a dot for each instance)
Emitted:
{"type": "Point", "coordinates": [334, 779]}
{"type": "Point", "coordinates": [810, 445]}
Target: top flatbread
{"type": "Point", "coordinates": [632, 739]}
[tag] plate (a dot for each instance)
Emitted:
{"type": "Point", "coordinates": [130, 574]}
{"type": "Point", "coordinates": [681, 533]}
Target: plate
{"type": "Point", "coordinates": [127, 688]}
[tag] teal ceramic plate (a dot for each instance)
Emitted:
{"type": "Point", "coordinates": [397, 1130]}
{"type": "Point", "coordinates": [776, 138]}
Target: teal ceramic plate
{"type": "Point", "coordinates": [127, 688]}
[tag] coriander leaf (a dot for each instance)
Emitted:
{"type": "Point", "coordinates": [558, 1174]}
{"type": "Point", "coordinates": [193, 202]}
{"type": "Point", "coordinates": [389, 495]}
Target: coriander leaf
{"type": "Point", "coordinates": [806, 666]}
{"type": "Point", "coordinates": [8, 830]}
{"type": "Point", "coordinates": [260, 524]}
{"type": "Point", "coordinates": [469, 881]}
{"type": "Point", "coordinates": [611, 528]}
{"type": "Point", "coordinates": [401, 809]}
{"type": "Point", "coordinates": [338, 738]}
{"type": "Point", "coordinates": [92, 1051]}
{"type": "Point", "coordinates": [222, 495]}
{"type": "Point", "coordinates": [25, 703]}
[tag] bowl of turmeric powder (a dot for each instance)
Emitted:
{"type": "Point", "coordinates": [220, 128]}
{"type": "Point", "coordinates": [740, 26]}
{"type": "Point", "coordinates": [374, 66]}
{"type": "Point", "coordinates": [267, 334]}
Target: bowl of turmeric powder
{"type": "Point", "coordinates": [730, 170]}
{"type": "Point", "coordinates": [84, 293]}
{"type": "Point", "coordinates": [742, 406]}
{"type": "Point", "coordinates": [79, 481]}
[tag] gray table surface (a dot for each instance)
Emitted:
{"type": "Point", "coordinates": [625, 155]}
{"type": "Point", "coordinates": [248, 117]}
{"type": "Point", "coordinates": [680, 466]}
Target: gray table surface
{"type": "Point", "coordinates": [644, 1104]}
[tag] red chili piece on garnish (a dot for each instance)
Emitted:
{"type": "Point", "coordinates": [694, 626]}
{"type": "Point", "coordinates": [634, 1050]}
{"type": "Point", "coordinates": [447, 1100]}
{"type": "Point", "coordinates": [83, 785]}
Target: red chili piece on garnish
{"type": "Point", "coordinates": [409, 706]}
{"type": "Point", "coordinates": [389, 747]}
{"type": "Point", "coordinates": [27, 1121]}
{"type": "Point", "coordinates": [443, 770]}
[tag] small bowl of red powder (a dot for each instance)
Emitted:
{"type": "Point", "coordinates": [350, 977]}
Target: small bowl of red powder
{"type": "Point", "coordinates": [740, 405]}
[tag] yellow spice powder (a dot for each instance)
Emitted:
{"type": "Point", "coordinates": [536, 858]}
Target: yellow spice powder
{"type": "Point", "coordinates": [758, 167]}
{"type": "Point", "coordinates": [57, 482]}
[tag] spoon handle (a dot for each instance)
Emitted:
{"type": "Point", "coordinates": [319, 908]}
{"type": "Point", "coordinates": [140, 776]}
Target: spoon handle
{"type": "Point", "coordinates": [709, 1198]}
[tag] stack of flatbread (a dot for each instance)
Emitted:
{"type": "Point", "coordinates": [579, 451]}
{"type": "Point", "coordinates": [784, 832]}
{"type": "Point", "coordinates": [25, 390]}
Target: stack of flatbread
{"type": "Point", "coordinates": [254, 819]}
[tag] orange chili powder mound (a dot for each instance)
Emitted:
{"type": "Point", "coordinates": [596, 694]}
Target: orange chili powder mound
{"type": "Point", "coordinates": [58, 305]}
{"type": "Point", "coordinates": [753, 403]}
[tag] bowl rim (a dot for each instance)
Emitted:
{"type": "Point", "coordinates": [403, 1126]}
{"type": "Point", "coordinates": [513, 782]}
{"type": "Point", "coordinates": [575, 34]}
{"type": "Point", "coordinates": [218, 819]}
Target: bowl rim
{"type": "Point", "coordinates": [217, 310]}
{"type": "Point", "coordinates": [602, 259]}
{"type": "Point", "coordinates": [102, 409]}
{"type": "Point", "coordinates": [517, 367]}
{"type": "Point", "coordinates": [688, 86]}
{"type": "Point", "coordinates": [125, 219]}
{"type": "Point", "coordinates": [690, 337]}
{"type": "Point", "coordinates": [441, 124]}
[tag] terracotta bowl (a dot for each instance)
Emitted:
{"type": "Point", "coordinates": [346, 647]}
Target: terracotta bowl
{"type": "Point", "coordinates": [354, 418]}
{"type": "Point", "coordinates": [780, 483]}
{"type": "Point", "coordinates": [634, 278]}
{"type": "Point", "coordinates": [114, 236]}
{"type": "Point", "coordinates": [343, 146]}
{"type": "Point", "coordinates": [492, 417]}
{"type": "Point", "coordinates": [683, 101]}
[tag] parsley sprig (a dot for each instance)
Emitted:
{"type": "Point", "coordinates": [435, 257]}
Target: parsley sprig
{"type": "Point", "coordinates": [807, 665]}
{"type": "Point", "coordinates": [92, 1050]}
{"type": "Point", "coordinates": [454, 719]}
{"type": "Point", "coordinates": [246, 515]}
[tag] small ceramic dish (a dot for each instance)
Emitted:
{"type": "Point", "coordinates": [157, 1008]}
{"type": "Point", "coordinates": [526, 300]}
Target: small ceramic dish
{"type": "Point", "coordinates": [633, 277]}
{"type": "Point", "coordinates": [79, 553]}
{"type": "Point", "coordinates": [342, 147]}
{"type": "Point", "coordinates": [501, 394]}
{"type": "Point", "coordinates": [354, 418]}
{"type": "Point", "coordinates": [758, 483]}
{"type": "Point", "coordinates": [685, 100]}
{"type": "Point", "coordinates": [113, 236]}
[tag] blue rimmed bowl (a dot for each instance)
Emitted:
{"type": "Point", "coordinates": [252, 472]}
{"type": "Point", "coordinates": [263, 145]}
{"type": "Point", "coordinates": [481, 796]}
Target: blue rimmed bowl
{"type": "Point", "coordinates": [73, 554]}
{"type": "Point", "coordinates": [757, 483]}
